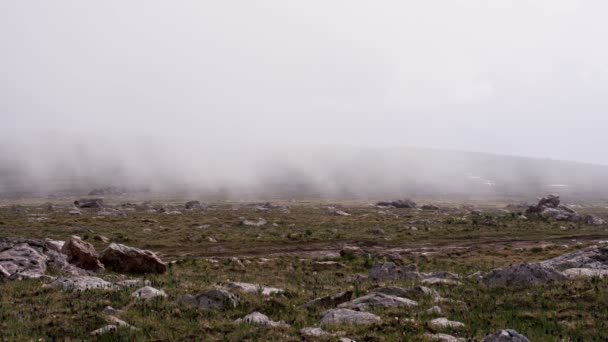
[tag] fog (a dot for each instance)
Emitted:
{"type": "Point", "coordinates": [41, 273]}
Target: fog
{"type": "Point", "coordinates": [336, 96]}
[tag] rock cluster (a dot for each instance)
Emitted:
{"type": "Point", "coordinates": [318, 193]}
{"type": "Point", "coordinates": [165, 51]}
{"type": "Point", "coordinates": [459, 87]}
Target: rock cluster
{"type": "Point", "coordinates": [402, 203]}
{"type": "Point", "coordinates": [550, 207]}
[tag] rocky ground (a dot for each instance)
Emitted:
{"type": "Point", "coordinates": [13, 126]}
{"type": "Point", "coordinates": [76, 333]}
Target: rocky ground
{"type": "Point", "coordinates": [393, 270]}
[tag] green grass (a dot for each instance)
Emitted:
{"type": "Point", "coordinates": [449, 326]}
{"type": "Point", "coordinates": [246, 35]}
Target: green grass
{"type": "Point", "coordinates": [573, 310]}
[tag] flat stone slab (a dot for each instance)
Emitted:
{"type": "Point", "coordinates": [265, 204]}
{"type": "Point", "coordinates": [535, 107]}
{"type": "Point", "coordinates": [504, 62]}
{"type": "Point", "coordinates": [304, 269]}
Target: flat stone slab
{"type": "Point", "coordinates": [82, 283]}
{"type": "Point", "coordinates": [348, 316]}
{"type": "Point", "coordinates": [254, 288]}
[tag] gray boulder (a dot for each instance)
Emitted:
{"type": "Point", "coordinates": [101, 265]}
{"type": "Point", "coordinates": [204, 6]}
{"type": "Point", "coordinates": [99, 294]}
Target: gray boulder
{"type": "Point", "coordinates": [593, 220]}
{"type": "Point", "coordinates": [522, 274]}
{"type": "Point", "coordinates": [260, 319]}
{"type": "Point", "coordinates": [594, 257]}
{"type": "Point", "coordinates": [211, 299]}
{"type": "Point", "coordinates": [81, 283]}
{"type": "Point", "coordinates": [404, 203]}
{"type": "Point", "coordinates": [254, 288]}
{"type": "Point", "coordinates": [148, 292]}
{"type": "Point", "coordinates": [347, 316]}
{"type": "Point", "coordinates": [23, 261]}
{"type": "Point", "coordinates": [377, 300]}
{"type": "Point", "coordinates": [94, 203]}
{"type": "Point", "coordinates": [133, 283]}
{"type": "Point", "coordinates": [193, 205]}
{"type": "Point", "coordinates": [444, 323]}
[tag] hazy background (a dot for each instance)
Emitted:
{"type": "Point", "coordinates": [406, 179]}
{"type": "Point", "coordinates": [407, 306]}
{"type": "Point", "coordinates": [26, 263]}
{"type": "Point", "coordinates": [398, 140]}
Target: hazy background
{"type": "Point", "coordinates": [219, 93]}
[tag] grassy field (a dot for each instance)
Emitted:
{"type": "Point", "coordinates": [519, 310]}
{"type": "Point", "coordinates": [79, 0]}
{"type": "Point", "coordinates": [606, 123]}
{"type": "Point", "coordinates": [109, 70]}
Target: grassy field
{"type": "Point", "coordinates": [210, 247]}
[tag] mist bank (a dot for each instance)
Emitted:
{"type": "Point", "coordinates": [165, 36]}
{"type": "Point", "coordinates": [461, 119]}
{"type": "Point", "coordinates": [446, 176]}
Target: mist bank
{"type": "Point", "coordinates": [182, 165]}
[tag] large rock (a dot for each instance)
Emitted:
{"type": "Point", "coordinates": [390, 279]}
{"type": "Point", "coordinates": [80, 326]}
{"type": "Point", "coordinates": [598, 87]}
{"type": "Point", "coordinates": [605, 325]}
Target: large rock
{"type": "Point", "coordinates": [594, 257]}
{"type": "Point", "coordinates": [390, 271]}
{"type": "Point", "coordinates": [444, 323]}
{"type": "Point", "coordinates": [30, 258]}
{"type": "Point", "coordinates": [148, 292]}
{"type": "Point", "coordinates": [23, 261]}
{"type": "Point", "coordinates": [522, 274]}
{"type": "Point", "coordinates": [260, 319]}
{"type": "Point", "coordinates": [559, 214]}
{"type": "Point", "coordinates": [377, 300]}
{"type": "Point", "coordinates": [329, 301]}
{"type": "Point", "coordinates": [81, 283]}
{"type": "Point", "coordinates": [193, 205]}
{"type": "Point", "coordinates": [211, 299]}
{"type": "Point", "coordinates": [4, 273]}
{"type": "Point", "coordinates": [593, 220]}
{"type": "Point", "coordinates": [82, 254]}
{"type": "Point", "coordinates": [506, 335]}
{"type": "Point", "coordinates": [58, 262]}
{"type": "Point", "coordinates": [404, 203]}
{"type": "Point", "coordinates": [133, 283]}
{"type": "Point", "coordinates": [254, 288]}
{"type": "Point", "coordinates": [121, 258]}
{"type": "Point", "coordinates": [549, 207]}
{"type": "Point", "coordinates": [429, 207]}
{"type": "Point", "coordinates": [95, 203]}
{"type": "Point", "coordinates": [347, 316]}
{"type": "Point", "coordinates": [585, 273]}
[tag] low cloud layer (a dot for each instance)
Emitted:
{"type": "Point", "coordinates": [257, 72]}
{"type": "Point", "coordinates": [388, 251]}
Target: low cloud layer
{"type": "Point", "coordinates": [242, 93]}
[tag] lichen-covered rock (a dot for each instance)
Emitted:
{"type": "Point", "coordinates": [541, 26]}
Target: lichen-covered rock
{"type": "Point", "coordinates": [521, 275]}
{"type": "Point", "coordinates": [211, 299]}
{"type": "Point", "coordinates": [404, 203]}
{"type": "Point", "coordinates": [121, 258]}
{"type": "Point", "coordinates": [254, 288]}
{"type": "Point", "coordinates": [94, 203]}
{"type": "Point", "coordinates": [148, 292]}
{"type": "Point", "coordinates": [595, 257]}
{"type": "Point", "coordinates": [347, 316]}
{"type": "Point", "coordinates": [585, 273]}
{"type": "Point", "coordinates": [133, 283]}
{"type": "Point", "coordinates": [260, 319]}
{"type": "Point", "coordinates": [444, 323]}
{"type": "Point", "coordinates": [81, 283]}
{"type": "Point", "coordinates": [23, 261]}
{"type": "Point", "coordinates": [377, 300]}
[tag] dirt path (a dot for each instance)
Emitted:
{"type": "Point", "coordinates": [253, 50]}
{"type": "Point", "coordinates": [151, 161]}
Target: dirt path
{"type": "Point", "coordinates": [320, 249]}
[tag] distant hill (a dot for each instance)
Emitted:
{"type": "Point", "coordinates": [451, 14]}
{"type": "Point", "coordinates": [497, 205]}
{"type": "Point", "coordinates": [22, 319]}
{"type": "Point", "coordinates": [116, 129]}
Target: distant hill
{"type": "Point", "coordinates": [319, 170]}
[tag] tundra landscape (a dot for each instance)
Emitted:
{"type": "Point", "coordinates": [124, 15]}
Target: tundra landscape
{"type": "Point", "coordinates": [133, 267]}
{"type": "Point", "coordinates": [321, 170]}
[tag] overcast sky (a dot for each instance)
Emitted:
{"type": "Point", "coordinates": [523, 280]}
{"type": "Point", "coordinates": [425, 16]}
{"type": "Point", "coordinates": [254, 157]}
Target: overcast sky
{"type": "Point", "coordinates": [514, 77]}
